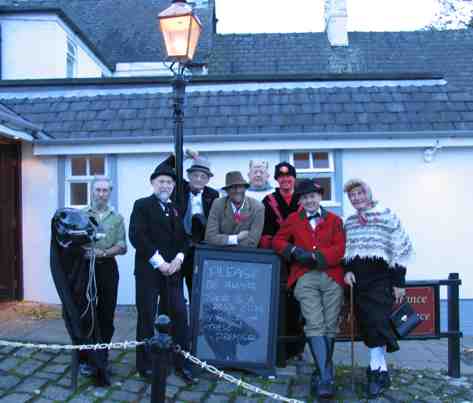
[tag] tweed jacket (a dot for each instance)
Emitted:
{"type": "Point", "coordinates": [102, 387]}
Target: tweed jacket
{"type": "Point", "coordinates": [222, 223]}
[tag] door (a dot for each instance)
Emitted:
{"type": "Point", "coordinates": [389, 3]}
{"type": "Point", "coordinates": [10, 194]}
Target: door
{"type": "Point", "coordinates": [10, 225]}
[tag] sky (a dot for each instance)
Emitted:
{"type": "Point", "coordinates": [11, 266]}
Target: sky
{"type": "Point", "coordinates": [308, 15]}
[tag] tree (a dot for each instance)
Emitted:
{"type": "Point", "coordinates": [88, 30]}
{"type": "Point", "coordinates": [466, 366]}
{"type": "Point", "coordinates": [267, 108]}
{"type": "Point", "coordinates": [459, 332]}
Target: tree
{"type": "Point", "coordinates": [453, 14]}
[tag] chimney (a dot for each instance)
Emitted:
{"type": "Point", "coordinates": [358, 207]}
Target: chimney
{"type": "Point", "coordinates": [336, 21]}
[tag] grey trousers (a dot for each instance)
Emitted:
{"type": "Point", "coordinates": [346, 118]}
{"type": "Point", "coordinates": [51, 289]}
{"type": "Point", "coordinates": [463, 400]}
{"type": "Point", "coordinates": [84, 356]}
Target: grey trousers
{"type": "Point", "coordinates": [321, 300]}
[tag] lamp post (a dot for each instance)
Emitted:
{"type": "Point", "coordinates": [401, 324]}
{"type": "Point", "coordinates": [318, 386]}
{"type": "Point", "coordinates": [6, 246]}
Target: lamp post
{"type": "Point", "coordinates": [181, 30]}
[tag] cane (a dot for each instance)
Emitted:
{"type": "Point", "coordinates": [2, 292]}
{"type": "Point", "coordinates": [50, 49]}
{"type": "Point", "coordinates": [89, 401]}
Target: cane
{"type": "Point", "coordinates": [352, 334]}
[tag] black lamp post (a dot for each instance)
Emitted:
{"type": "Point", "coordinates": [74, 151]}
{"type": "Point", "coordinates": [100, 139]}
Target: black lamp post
{"type": "Point", "coordinates": [181, 31]}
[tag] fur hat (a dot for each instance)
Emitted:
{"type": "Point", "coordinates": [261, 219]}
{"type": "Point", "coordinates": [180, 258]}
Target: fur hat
{"type": "Point", "coordinates": [284, 168]}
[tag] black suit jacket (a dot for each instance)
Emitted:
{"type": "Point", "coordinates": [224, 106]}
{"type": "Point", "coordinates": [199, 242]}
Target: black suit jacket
{"type": "Point", "coordinates": [151, 230]}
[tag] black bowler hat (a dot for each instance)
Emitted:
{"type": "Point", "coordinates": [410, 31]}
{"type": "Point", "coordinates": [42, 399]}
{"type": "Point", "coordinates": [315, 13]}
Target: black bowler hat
{"type": "Point", "coordinates": [163, 169]}
{"type": "Point", "coordinates": [284, 168]}
{"type": "Point", "coordinates": [306, 186]}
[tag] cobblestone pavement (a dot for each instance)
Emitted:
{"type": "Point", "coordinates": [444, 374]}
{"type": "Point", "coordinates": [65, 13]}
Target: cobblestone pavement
{"type": "Point", "coordinates": [44, 376]}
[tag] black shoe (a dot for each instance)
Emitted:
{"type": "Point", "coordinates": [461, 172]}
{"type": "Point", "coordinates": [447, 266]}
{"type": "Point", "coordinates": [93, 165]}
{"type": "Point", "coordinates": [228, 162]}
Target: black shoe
{"type": "Point", "coordinates": [378, 382]}
{"type": "Point", "coordinates": [187, 376]}
{"type": "Point", "coordinates": [101, 378]}
{"type": "Point", "coordinates": [87, 370]}
{"type": "Point", "coordinates": [146, 374]}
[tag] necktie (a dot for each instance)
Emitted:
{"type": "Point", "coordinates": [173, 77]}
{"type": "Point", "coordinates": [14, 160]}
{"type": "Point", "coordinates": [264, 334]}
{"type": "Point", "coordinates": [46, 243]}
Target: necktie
{"type": "Point", "coordinates": [167, 209]}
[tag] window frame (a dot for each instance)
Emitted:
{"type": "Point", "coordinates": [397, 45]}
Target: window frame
{"type": "Point", "coordinates": [71, 58]}
{"type": "Point", "coordinates": [69, 178]}
{"type": "Point", "coordinates": [330, 172]}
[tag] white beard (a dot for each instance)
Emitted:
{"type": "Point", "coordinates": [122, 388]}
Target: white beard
{"type": "Point", "coordinates": [163, 196]}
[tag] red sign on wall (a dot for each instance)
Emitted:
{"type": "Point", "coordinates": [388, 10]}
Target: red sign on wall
{"type": "Point", "coordinates": [422, 300]}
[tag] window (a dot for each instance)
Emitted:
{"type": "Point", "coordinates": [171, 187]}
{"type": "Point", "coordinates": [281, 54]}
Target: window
{"type": "Point", "coordinates": [320, 166]}
{"type": "Point", "coordinates": [71, 59]}
{"type": "Point", "coordinates": [80, 171]}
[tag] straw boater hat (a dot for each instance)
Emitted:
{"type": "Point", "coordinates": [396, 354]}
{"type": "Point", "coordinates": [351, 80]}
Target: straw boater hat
{"type": "Point", "coordinates": [202, 165]}
{"type": "Point", "coordinates": [234, 178]}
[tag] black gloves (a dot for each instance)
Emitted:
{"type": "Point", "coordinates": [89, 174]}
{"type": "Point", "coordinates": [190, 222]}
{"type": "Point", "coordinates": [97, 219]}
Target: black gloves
{"type": "Point", "coordinates": [304, 257]}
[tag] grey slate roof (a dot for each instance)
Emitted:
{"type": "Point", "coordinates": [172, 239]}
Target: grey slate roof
{"type": "Point", "coordinates": [288, 111]}
{"type": "Point", "coordinates": [121, 30]}
{"type": "Point", "coordinates": [14, 121]}
{"type": "Point", "coordinates": [447, 52]}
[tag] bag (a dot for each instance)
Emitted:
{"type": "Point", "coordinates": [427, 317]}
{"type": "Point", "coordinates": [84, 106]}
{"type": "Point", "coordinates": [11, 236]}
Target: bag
{"type": "Point", "coordinates": [404, 319]}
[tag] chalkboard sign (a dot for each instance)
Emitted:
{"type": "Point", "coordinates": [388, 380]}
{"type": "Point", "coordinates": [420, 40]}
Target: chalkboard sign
{"type": "Point", "coordinates": [235, 299]}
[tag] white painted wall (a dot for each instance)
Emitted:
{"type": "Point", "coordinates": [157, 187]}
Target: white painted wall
{"type": "Point", "coordinates": [39, 202]}
{"type": "Point", "coordinates": [34, 46]}
{"type": "Point", "coordinates": [434, 202]}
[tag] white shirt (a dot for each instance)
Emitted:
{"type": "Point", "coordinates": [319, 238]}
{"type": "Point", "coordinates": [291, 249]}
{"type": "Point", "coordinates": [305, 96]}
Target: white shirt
{"type": "Point", "coordinates": [196, 203]}
{"type": "Point", "coordinates": [313, 221]}
{"type": "Point", "coordinates": [157, 260]}
{"type": "Point", "coordinates": [233, 239]}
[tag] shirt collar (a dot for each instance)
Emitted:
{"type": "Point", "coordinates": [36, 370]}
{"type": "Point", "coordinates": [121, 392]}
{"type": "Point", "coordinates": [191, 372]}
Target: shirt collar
{"type": "Point", "coordinates": [235, 209]}
{"type": "Point", "coordinates": [318, 211]}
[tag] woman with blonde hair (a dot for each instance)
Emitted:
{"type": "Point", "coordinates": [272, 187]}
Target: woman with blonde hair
{"type": "Point", "coordinates": [377, 252]}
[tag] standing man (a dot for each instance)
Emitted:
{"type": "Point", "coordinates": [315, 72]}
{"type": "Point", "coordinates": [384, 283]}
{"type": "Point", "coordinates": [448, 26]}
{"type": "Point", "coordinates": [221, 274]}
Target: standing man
{"type": "Point", "coordinates": [313, 241]}
{"type": "Point", "coordinates": [235, 219]}
{"type": "Point", "coordinates": [194, 205]}
{"type": "Point", "coordinates": [258, 176]}
{"type": "Point", "coordinates": [157, 234]}
{"type": "Point", "coordinates": [277, 207]}
{"type": "Point", "coordinates": [111, 244]}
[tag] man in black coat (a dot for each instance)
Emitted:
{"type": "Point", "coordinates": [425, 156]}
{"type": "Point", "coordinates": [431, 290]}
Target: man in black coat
{"type": "Point", "coordinates": [194, 205]}
{"type": "Point", "coordinates": [157, 233]}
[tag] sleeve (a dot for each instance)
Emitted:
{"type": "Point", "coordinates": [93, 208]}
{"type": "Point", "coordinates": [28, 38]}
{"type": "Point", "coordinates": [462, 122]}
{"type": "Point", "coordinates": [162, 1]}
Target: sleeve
{"type": "Point", "coordinates": [398, 276]}
{"type": "Point", "coordinates": [138, 232]}
{"type": "Point", "coordinates": [121, 237]}
{"type": "Point", "coordinates": [282, 240]}
{"type": "Point", "coordinates": [256, 228]}
{"type": "Point", "coordinates": [268, 229]}
{"type": "Point", "coordinates": [212, 234]}
{"type": "Point", "coordinates": [402, 249]}
{"type": "Point", "coordinates": [332, 255]}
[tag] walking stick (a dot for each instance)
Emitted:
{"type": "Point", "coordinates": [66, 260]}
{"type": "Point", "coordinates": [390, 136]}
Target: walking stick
{"type": "Point", "coordinates": [352, 334]}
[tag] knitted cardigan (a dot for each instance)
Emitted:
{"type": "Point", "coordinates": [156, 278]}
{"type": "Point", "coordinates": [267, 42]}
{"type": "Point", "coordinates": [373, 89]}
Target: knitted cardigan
{"type": "Point", "coordinates": [382, 236]}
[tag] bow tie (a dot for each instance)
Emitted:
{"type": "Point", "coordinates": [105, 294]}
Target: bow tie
{"type": "Point", "coordinates": [195, 192]}
{"type": "Point", "coordinates": [313, 216]}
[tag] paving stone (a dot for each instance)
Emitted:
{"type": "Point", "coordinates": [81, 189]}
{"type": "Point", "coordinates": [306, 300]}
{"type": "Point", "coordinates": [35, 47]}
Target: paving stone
{"type": "Point", "coordinates": [8, 381]}
{"type": "Point", "coordinates": [48, 375]}
{"type": "Point", "coordinates": [174, 380]}
{"type": "Point", "coordinates": [56, 368]}
{"type": "Point", "coordinates": [204, 385]}
{"type": "Point", "coordinates": [224, 388]}
{"type": "Point", "coordinates": [123, 395]}
{"type": "Point", "coordinates": [242, 399]}
{"type": "Point", "coordinates": [302, 390]}
{"type": "Point", "coordinates": [171, 391]}
{"type": "Point", "coordinates": [44, 356]}
{"type": "Point", "coordinates": [30, 385]}
{"type": "Point", "coordinates": [82, 398]}
{"type": "Point", "coordinates": [15, 398]}
{"type": "Point", "coordinates": [56, 393]}
{"type": "Point", "coordinates": [9, 363]}
{"type": "Point", "coordinates": [190, 396]}
{"type": "Point", "coordinates": [217, 399]}
{"type": "Point", "coordinates": [24, 353]}
{"type": "Point", "coordinates": [28, 367]}
{"type": "Point", "coordinates": [62, 359]}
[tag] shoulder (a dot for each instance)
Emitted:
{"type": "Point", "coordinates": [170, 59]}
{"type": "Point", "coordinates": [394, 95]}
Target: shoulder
{"type": "Point", "coordinates": [144, 201]}
{"type": "Point", "coordinates": [219, 203]}
{"type": "Point", "coordinates": [332, 216]}
{"type": "Point", "coordinates": [295, 217]}
{"type": "Point", "coordinates": [211, 192]}
{"type": "Point", "coordinates": [256, 204]}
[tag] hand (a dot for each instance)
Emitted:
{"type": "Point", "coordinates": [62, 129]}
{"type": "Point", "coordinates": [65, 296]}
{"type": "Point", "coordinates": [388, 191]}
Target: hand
{"type": "Point", "coordinates": [399, 294]}
{"type": "Point", "coordinates": [174, 266]}
{"type": "Point", "coordinates": [350, 279]}
{"type": "Point", "coordinates": [164, 268]}
{"type": "Point", "coordinates": [99, 252]}
{"type": "Point", "coordinates": [242, 235]}
{"type": "Point", "coordinates": [303, 257]}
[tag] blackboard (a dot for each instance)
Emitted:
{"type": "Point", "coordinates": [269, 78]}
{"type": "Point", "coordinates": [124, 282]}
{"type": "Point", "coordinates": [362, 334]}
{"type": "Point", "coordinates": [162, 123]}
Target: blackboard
{"type": "Point", "coordinates": [234, 309]}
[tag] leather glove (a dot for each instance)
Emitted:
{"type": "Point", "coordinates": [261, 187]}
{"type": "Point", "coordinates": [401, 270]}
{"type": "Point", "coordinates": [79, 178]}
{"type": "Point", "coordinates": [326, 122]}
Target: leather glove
{"type": "Point", "coordinates": [303, 257]}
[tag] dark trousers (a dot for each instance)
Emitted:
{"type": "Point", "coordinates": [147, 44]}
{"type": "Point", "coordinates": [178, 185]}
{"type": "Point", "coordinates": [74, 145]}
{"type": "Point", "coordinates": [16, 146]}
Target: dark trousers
{"type": "Point", "coordinates": [149, 285]}
{"type": "Point", "coordinates": [106, 275]}
{"type": "Point", "coordinates": [187, 270]}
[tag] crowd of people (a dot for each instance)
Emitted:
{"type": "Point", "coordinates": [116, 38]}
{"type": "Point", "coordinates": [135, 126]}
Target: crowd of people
{"type": "Point", "coordinates": [323, 256]}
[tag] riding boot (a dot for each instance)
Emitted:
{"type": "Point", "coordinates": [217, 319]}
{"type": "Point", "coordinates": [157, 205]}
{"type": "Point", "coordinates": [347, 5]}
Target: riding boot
{"type": "Point", "coordinates": [328, 387]}
{"type": "Point", "coordinates": [322, 382]}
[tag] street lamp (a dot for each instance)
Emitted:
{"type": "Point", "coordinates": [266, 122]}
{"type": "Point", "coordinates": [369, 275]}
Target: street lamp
{"type": "Point", "coordinates": [181, 31]}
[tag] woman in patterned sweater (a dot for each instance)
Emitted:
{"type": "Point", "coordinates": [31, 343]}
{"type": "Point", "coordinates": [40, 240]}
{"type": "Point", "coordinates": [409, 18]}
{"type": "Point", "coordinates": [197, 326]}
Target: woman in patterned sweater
{"type": "Point", "coordinates": [377, 251]}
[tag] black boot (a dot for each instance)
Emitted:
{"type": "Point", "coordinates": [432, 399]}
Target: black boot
{"type": "Point", "coordinates": [322, 380]}
{"type": "Point", "coordinates": [329, 375]}
{"type": "Point", "coordinates": [378, 382]}
{"type": "Point", "coordinates": [102, 379]}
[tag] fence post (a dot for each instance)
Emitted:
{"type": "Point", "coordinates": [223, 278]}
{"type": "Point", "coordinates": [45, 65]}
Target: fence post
{"type": "Point", "coordinates": [453, 326]}
{"type": "Point", "coordinates": [74, 369]}
{"type": "Point", "coordinates": [160, 347]}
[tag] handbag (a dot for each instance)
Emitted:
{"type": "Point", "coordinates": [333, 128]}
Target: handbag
{"type": "Point", "coordinates": [404, 319]}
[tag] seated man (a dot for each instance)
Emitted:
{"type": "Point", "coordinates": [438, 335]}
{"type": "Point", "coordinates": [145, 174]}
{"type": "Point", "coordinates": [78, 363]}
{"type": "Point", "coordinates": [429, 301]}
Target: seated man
{"type": "Point", "coordinates": [235, 219]}
{"type": "Point", "coordinates": [313, 241]}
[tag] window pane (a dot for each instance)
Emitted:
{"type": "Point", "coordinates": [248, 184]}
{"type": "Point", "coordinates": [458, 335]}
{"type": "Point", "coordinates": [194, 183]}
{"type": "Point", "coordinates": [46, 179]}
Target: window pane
{"type": "Point", "coordinates": [79, 194]}
{"type": "Point", "coordinates": [97, 165]}
{"type": "Point", "coordinates": [78, 166]}
{"type": "Point", "coordinates": [320, 160]}
{"type": "Point", "coordinates": [326, 184]}
{"type": "Point", "coordinates": [302, 160]}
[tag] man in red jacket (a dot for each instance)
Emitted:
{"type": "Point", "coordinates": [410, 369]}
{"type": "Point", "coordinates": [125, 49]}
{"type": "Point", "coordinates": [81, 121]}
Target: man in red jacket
{"type": "Point", "coordinates": [313, 241]}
